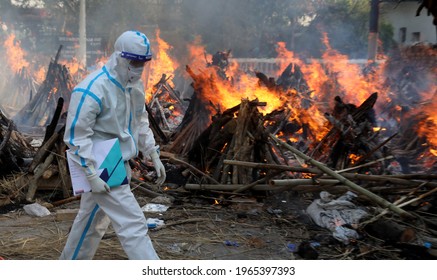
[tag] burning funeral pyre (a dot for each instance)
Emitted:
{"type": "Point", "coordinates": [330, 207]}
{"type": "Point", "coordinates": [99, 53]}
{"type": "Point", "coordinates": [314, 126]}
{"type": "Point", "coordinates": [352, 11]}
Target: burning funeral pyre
{"type": "Point", "coordinates": [312, 126]}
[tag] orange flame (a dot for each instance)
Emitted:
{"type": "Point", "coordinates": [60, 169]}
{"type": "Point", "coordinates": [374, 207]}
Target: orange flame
{"type": "Point", "coordinates": [40, 74]}
{"type": "Point", "coordinates": [428, 126]}
{"type": "Point", "coordinates": [353, 83]}
{"type": "Point", "coordinates": [15, 54]}
{"type": "Point", "coordinates": [162, 63]}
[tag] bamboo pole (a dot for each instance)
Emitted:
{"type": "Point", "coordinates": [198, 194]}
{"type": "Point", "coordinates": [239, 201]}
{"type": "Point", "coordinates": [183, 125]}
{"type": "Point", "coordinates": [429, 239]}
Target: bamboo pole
{"type": "Point", "coordinates": [257, 182]}
{"type": "Point", "coordinates": [364, 164]}
{"type": "Point", "coordinates": [258, 165]}
{"type": "Point", "coordinates": [230, 187]}
{"type": "Point", "coordinates": [298, 182]}
{"type": "Point", "coordinates": [373, 197]}
{"type": "Point", "coordinates": [419, 197]}
{"type": "Point", "coordinates": [394, 179]}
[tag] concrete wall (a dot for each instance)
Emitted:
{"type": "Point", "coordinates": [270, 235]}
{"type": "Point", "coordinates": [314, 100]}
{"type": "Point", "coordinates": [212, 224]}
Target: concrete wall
{"type": "Point", "coordinates": [409, 29]}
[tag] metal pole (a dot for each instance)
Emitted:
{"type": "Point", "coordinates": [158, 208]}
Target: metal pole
{"type": "Point", "coordinates": [82, 33]}
{"type": "Point", "coordinates": [373, 30]}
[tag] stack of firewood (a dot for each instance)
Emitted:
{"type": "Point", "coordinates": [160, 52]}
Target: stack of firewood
{"type": "Point", "coordinates": [17, 91]}
{"type": "Point", "coordinates": [197, 115]}
{"type": "Point", "coordinates": [241, 138]}
{"type": "Point", "coordinates": [37, 112]}
{"type": "Point", "coordinates": [165, 104]}
{"type": "Point", "coordinates": [15, 148]}
{"type": "Point", "coordinates": [45, 167]}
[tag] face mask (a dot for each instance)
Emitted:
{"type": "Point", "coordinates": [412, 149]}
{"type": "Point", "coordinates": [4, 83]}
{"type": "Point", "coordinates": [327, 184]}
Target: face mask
{"type": "Point", "coordinates": [134, 73]}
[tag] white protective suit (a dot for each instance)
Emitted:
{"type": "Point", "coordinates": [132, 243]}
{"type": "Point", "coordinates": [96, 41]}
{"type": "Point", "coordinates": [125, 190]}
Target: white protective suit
{"type": "Point", "coordinates": [106, 105]}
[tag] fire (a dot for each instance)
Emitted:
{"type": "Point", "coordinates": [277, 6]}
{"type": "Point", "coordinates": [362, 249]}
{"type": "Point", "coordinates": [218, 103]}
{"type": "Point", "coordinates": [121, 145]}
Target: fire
{"type": "Point", "coordinates": [293, 139]}
{"type": "Point", "coordinates": [72, 65]}
{"type": "Point", "coordinates": [162, 63]}
{"type": "Point", "coordinates": [197, 54]}
{"type": "Point", "coordinates": [222, 92]}
{"type": "Point", "coordinates": [285, 57]}
{"type": "Point", "coordinates": [40, 75]}
{"type": "Point", "coordinates": [333, 75]}
{"type": "Point", "coordinates": [101, 61]}
{"type": "Point", "coordinates": [354, 158]}
{"type": "Point", "coordinates": [15, 54]}
{"type": "Point", "coordinates": [352, 83]}
{"type": "Point", "coordinates": [428, 126]}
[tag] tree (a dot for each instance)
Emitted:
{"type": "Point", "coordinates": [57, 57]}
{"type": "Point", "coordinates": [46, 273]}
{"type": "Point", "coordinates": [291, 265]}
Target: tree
{"type": "Point", "coordinates": [346, 24]}
{"type": "Point", "coordinates": [250, 28]}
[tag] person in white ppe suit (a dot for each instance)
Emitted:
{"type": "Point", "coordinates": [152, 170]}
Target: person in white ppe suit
{"type": "Point", "coordinates": [107, 104]}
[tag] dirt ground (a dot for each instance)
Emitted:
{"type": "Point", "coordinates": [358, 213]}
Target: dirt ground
{"type": "Point", "coordinates": [195, 228]}
{"type": "Point", "coordinates": [192, 230]}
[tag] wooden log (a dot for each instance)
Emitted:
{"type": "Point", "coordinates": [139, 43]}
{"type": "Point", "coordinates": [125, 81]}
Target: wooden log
{"type": "Point", "coordinates": [418, 198]}
{"type": "Point", "coordinates": [388, 179]}
{"type": "Point", "coordinates": [7, 136]}
{"type": "Point", "coordinates": [227, 168]}
{"type": "Point", "coordinates": [298, 182]}
{"type": "Point", "coordinates": [63, 170]}
{"type": "Point", "coordinates": [229, 187]}
{"type": "Point", "coordinates": [155, 126]}
{"type": "Point", "coordinates": [240, 148]}
{"type": "Point", "coordinates": [211, 142]}
{"type": "Point", "coordinates": [65, 201]}
{"type": "Point", "coordinates": [212, 154]}
{"type": "Point", "coordinates": [57, 83]}
{"type": "Point", "coordinates": [220, 167]}
{"type": "Point", "coordinates": [272, 166]}
{"type": "Point", "coordinates": [50, 172]}
{"type": "Point", "coordinates": [255, 183]}
{"type": "Point", "coordinates": [394, 179]}
{"type": "Point", "coordinates": [52, 126]}
{"type": "Point", "coordinates": [332, 189]}
{"type": "Point", "coordinates": [365, 164]}
{"type": "Point", "coordinates": [44, 150]}
{"type": "Point", "coordinates": [354, 187]}
{"type": "Point", "coordinates": [334, 134]}
{"type": "Point", "coordinates": [38, 172]}
{"type": "Point", "coordinates": [138, 184]}
{"type": "Point", "coordinates": [366, 156]}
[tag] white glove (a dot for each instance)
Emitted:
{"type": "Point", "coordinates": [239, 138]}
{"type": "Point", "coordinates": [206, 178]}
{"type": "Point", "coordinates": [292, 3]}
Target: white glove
{"type": "Point", "coordinates": [97, 184]}
{"type": "Point", "coordinates": [159, 167]}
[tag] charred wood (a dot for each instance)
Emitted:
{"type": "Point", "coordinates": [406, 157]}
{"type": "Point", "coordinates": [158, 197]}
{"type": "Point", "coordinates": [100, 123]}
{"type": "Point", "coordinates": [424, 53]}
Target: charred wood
{"type": "Point", "coordinates": [50, 129]}
{"type": "Point", "coordinates": [377, 199]}
{"type": "Point", "coordinates": [155, 126]}
{"type": "Point", "coordinates": [57, 84]}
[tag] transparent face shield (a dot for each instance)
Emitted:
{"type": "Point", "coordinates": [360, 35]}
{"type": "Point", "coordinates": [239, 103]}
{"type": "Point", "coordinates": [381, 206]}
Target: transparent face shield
{"type": "Point", "coordinates": [146, 75]}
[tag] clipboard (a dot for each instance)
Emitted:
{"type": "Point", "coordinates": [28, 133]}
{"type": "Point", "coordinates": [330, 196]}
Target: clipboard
{"type": "Point", "coordinates": [110, 167]}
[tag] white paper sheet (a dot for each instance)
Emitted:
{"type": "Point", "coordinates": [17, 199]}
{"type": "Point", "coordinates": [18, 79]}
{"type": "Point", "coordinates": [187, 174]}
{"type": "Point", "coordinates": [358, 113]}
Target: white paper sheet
{"type": "Point", "coordinates": [110, 167]}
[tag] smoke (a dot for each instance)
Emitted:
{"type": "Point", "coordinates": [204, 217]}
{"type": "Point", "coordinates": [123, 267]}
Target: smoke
{"type": "Point", "coordinates": [250, 28]}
